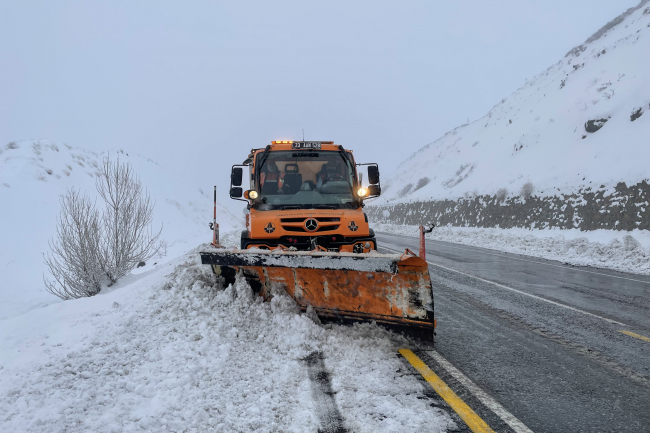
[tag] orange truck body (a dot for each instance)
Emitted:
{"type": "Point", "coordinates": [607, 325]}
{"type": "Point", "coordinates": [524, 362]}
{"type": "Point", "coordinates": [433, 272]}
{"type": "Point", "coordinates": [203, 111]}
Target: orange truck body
{"type": "Point", "coordinates": [270, 228]}
{"type": "Point", "coordinates": [323, 255]}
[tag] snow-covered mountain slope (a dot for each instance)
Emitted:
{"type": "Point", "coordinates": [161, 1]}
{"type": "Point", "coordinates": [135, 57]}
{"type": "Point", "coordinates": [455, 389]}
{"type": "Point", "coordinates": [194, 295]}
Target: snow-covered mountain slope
{"type": "Point", "coordinates": [166, 351]}
{"type": "Point", "coordinates": [539, 134]}
{"type": "Point", "coordinates": [34, 175]}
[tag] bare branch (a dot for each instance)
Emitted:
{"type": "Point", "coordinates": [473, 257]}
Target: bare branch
{"type": "Point", "coordinates": [127, 221]}
{"type": "Point", "coordinates": [91, 250]}
{"type": "Point", "coordinates": [74, 260]}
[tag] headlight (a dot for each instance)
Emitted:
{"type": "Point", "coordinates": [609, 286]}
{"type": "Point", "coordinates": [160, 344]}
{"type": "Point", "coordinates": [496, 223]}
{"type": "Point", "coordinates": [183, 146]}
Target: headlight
{"type": "Point", "coordinates": [252, 195]}
{"type": "Point", "coordinates": [362, 192]}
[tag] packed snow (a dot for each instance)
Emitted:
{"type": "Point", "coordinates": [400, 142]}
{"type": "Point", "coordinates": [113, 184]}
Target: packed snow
{"type": "Point", "coordinates": [609, 249]}
{"type": "Point", "coordinates": [34, 174]}
{"type": "Point", "coordinates": [539, 134]}
{"type": "Point", "coordinates": [372, 261]}
{"type": "Point", "coordinates": [170, 351]}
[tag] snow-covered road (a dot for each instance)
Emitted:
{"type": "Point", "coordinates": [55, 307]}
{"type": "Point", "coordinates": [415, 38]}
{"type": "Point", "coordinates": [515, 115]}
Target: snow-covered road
{"type": "Point", "coordinates": [544, 339]}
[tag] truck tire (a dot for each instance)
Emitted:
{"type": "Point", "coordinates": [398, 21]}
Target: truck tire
{"type": "Point", "coordinates": [245, 238]}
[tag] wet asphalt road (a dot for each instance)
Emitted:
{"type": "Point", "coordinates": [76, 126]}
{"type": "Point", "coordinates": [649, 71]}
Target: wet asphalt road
{"type": "Point", "coordinates": [554, 368]}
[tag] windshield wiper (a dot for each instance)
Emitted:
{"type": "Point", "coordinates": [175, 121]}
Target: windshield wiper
{"type": "Point", "coordinates": [294, 206]}
{"type": "Point", "coordinates": [326, 206]}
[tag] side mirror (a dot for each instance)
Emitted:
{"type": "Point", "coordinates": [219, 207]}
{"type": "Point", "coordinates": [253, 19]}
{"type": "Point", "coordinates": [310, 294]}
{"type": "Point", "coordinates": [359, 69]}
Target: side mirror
{"type": "Point", "coordinates": [236, 191]}
{"type": "Point", "coordinates": [374, 190]}
{"type": "Point", "coordinates": [373, 174]}
{"type": "Point", "coordinates": [236, 177]}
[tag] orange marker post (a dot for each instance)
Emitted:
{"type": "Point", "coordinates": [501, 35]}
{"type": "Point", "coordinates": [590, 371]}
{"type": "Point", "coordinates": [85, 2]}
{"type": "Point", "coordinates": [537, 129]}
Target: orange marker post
{"type": "Point", "coordinates": [423, 252]}
{"type": "Point", "coordinates": [215, 226]}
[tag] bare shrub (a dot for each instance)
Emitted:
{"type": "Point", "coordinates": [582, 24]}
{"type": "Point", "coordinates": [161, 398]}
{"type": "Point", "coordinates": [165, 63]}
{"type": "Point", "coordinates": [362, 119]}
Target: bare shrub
{"type": "Point", "coordinates": [12, 145]}
{"type": "Point", "coordinates": [92, 249]}
{"type": "Point", "coordinates": [527, 190]}
{"type": "Point", "coordinates": [422, 183]}
{"type": "Point", "coordinates": [502, 193]}
{"type": "Point", "coordinates": [461, 174]}
{"type": "Point", "coordinates": [129, 238]}
{"type": "Point", "coordinates": [405, 190]}
{"type": "Point", "coordinates": [74, 260]}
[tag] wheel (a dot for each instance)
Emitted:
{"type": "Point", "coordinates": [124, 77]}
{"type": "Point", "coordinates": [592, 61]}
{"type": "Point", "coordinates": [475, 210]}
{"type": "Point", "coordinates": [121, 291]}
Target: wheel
{"type": "Point", "coordinates": [245, 239]}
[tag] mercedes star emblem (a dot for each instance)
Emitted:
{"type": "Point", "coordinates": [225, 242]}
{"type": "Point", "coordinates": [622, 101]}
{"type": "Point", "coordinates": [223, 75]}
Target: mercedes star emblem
{"type": "Point", "coordinates": [352, 226]}
{"type": "Point", "coordinates": [311, 224]}
{"type": "Point", "coordinates": [270, 228]}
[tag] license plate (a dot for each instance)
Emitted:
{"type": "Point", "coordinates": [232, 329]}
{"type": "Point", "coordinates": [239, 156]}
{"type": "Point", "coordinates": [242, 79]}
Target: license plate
{"type": "Point", "coordinates": [306, 145]}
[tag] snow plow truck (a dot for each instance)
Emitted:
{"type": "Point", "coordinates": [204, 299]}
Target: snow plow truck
{"type": "Point", "coordinates": [306, 233]}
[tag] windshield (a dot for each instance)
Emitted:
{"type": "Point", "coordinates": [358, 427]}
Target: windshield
{"type": "Point", "coordinates": [306, 180]}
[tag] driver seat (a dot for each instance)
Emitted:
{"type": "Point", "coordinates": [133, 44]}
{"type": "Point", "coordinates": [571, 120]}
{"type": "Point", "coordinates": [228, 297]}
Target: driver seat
{"type": "Point", "coordinates": [292, 177]}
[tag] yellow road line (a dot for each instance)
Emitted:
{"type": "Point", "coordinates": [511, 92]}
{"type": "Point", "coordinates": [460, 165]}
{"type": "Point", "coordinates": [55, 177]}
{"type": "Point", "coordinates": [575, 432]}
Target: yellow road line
{"type": "Point", "coordinates": [632, 334]}
{"type": "Point", "coordinates": [473, 421]}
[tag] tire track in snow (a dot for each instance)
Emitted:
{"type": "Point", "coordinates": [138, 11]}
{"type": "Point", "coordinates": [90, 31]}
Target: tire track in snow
{"type": "Point", "coordinates": [331, 420]}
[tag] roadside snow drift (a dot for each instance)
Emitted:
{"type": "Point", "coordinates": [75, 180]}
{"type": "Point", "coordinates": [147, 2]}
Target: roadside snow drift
{"type": "Point", "coordinates": [172, 353]}
{"type": "Point", "coordinates": [621, 251]}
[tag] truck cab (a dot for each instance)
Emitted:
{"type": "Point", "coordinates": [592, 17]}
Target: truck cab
{"type": "Point", "coordinates": [305, 195]}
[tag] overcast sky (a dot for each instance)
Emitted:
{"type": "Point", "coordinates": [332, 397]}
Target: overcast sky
{"type": "Point", "coordinates": [197, 84]}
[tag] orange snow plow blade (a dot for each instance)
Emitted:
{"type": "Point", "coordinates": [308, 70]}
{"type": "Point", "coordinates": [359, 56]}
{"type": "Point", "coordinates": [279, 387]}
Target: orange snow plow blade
{"type": "Point", "coordinates": [392, 290]}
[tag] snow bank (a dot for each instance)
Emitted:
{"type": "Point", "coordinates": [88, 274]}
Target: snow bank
{"type": "Point", "coordinates": [173, 353]}
{"type": "Point", "coordinates": [611, 249]}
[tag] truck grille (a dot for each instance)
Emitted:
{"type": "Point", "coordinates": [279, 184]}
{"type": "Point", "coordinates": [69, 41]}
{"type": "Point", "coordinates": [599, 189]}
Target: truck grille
{"type": "Point", "coordinates": [302, 220]}
{"type": "Point", "coordinates": [297, 224]}
{"type": "Point", "coordinates": [303, 230]}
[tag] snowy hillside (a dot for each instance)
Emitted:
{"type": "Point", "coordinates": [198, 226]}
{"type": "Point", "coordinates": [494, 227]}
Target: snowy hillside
{"type": "Point", "coordinates": [35, 173]}
{"type": "Point", "coordinates": [547, 132]}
